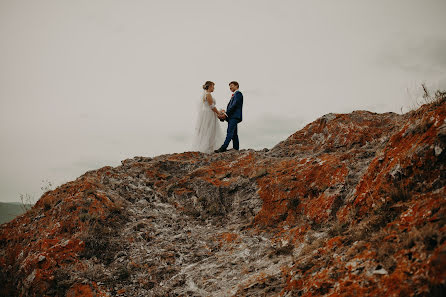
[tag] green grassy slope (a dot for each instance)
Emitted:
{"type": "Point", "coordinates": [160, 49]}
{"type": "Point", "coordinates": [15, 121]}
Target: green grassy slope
{"type": "Point", "coordinates": [9, 211]}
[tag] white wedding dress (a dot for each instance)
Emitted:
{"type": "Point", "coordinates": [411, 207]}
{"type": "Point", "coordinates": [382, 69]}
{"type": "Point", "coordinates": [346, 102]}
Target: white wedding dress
{"type": "Point", "coordinates": [208, 135]}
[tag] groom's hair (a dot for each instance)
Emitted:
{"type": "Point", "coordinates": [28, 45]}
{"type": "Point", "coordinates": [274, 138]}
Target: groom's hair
{"type": "Point", "coordinates": [234, 83]}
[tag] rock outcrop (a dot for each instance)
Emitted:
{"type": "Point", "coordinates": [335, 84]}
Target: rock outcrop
{"type": "Point", "coordinates": [351, 205]}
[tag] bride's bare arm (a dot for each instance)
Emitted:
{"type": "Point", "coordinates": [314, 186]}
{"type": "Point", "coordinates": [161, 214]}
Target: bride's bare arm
{"type": "Point", "coordinates": [211, 103]}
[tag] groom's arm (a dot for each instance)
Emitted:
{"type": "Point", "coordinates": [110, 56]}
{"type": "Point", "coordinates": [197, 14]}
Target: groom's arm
{"type": "Point", "coordinates": [237, 102]}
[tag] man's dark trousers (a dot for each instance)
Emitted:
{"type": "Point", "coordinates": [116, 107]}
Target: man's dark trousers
{"type": "Point", "coordinates": [231, 135]}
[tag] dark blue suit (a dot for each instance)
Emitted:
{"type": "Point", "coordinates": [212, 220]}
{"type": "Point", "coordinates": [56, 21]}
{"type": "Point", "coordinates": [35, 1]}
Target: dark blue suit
{"type": "Point", "coordinates": [234, 112]}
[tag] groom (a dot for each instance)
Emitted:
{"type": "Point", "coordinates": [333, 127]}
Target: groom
{"type": "Point", "coordinates": [233, 116]}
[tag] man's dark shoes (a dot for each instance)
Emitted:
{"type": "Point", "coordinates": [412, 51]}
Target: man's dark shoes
{"type": "Point", "coordinates": [220, 150]}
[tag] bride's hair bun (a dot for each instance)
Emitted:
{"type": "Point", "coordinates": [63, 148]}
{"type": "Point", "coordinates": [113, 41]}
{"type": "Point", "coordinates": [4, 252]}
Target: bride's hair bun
{"type": "Point", "coordinates": [207, 85]}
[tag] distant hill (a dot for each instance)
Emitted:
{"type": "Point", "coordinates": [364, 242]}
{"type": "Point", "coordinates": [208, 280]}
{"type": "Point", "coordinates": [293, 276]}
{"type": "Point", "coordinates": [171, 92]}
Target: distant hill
{"type": "Point", "coordinates": [9, 211]}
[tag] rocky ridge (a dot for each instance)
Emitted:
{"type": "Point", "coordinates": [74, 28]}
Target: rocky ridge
{"type": "Point", "coordinates": [351, 205]}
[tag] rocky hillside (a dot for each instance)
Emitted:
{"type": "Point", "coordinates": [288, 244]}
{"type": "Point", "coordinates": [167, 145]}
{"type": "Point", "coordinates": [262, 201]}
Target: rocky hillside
{"type": "Point", "coordinates": [351, 205]}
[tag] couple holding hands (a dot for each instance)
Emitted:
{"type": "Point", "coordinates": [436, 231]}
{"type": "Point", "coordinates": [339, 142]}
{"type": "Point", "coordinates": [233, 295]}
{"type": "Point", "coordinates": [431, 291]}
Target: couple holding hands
{"type": "Point", "coordinates": [208, 134]}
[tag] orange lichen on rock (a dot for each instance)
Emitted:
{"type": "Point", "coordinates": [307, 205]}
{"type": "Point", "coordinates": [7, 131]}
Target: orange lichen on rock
{"type": "Point", "coordinates": [296, 187]}
{"type": "Point", "coordinates": [350, 205]}
{"type": "Point", "coordinates": [227, 238]}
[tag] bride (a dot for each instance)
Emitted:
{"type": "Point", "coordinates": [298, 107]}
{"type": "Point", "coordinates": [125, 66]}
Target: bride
{"type": "Point", "coordinates": [208, 135]}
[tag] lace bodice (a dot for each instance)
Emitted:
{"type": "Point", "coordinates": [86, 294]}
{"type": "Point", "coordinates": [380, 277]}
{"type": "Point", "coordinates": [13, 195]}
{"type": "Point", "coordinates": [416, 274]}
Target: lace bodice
{"type": "Point", "coordinates": [214, 102]}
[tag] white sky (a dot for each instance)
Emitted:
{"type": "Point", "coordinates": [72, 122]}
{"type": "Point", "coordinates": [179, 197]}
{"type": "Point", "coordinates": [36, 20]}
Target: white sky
{"type": "Point", "coordinates": [84, 84]}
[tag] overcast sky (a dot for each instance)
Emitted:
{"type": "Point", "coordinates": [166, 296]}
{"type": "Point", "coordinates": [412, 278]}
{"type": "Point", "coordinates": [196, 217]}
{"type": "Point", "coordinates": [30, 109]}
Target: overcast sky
{"type": "Point", "coordinates": [88, 83]}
